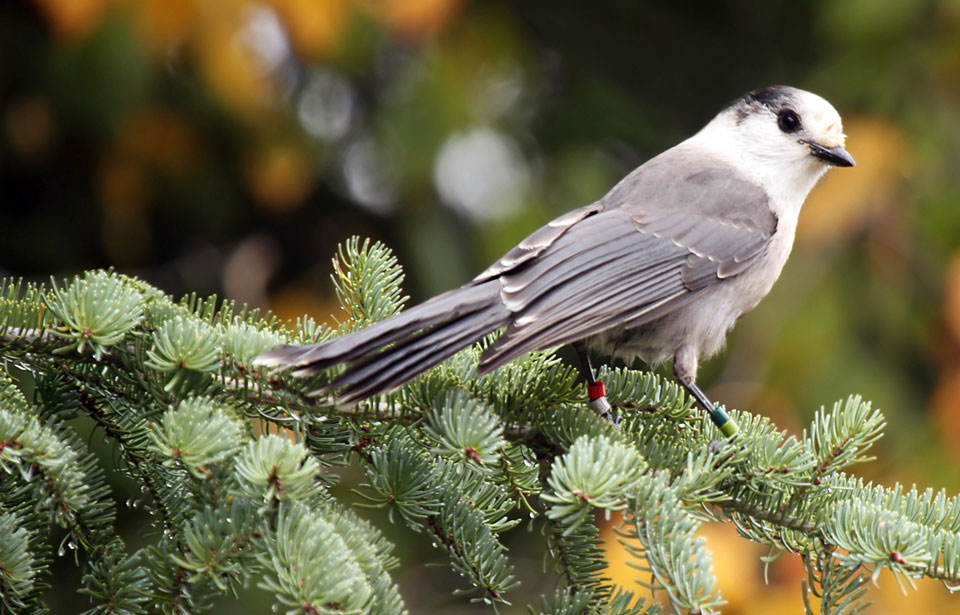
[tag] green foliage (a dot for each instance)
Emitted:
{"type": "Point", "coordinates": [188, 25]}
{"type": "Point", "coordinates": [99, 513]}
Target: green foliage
{"type": "Point", "coordinates": [315, 570]}
{"type": "Point", "coordinates": [373, 555]}
{"type": "Point", "coordinates": [197, 434]}
{"type": "Point", "coordinates": [98, 310]}
{"type": "Point", "coordinates": [117, 584]}
{"type": "Point", "coordinates": [463, 529]}
{"type": "Point", "coordinates": [876, 538]}
{"type": "Point", "coordinates": [184, 343]}
{"type": "Point", "coordinates": [463, 428]}
{"type": "Point", "coordinates": [518, 473]}
{"type": "Point", "coordinates": [457, 459]}
{"type": "Point", "coordinates": [214, 544]}
{"type": "Point", "coordinates": [575, 603]}
{"type": "Point", "coordinates": [19, 569]}
{"type": "Point", "coordinates": [66, 487]}
{"type": "Point", "coordinates": [832, 434]}
{"type": "Point", "coordinates": [646, 391]}
{"type": "Point", "coordinates": [594, 473]}
{"type": "Point", "coordinates": [21, 305]}
{"type": "Point", "coordinates": [367, 279]}
{"type": "Point", "coordinates": [244, 341]}
{"type": "Point", "coordinates": [532, 383]}
{"type": "Point", "coordinates": [839, 588]}
{"type": "Point", "coordinates": [661, 535]}
{"type": "Point", "coordinates": [272, 469]}
{"type": "Point", "coordinates": [399, 476]}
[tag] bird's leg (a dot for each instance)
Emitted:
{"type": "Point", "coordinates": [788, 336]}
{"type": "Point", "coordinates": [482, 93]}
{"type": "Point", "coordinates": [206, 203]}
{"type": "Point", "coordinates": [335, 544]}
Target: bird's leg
{"type": "Point", "coordinates": [596, 390]}
{"type": "Point", "coordinates": [685, 368]}
{"type": "Point", "coordinates": [720, 418]}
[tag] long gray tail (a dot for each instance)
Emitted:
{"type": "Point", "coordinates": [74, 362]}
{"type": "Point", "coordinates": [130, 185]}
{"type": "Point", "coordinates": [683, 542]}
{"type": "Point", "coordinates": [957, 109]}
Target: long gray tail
{"type": "Point", "coordinates": [389, 353]}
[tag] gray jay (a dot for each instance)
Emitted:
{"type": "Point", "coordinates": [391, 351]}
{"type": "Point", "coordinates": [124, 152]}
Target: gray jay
{"type": "Point", "coordinates": [660, 268]}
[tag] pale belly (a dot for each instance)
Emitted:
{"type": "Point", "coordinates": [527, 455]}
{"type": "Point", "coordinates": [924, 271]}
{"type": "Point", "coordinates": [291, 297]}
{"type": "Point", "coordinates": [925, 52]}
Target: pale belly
{"type": "Point", "coordinates": [702, 324]}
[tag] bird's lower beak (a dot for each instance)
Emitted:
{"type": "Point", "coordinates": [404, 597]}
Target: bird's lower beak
{"type": "Point", "coordinates": [837, 156]}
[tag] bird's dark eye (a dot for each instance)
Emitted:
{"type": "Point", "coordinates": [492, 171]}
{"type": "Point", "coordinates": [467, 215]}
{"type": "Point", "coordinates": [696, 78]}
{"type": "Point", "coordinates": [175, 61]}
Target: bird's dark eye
{"type": "Point", "coordinates": [788, 121]}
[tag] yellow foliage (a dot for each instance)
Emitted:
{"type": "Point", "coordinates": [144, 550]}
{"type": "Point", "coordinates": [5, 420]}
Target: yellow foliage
{"type": "Point", "coordinates": [164, 22]}
{"type": "Point", "coordinates": [929, 596]}
{"type": "Point", "coordinates": [316, 27]}
{"type": "Point", "coordinates": [152, 139]}
{"type": "Point", "coordinates": [212, 34]}
{"type": "Point", "coordinates": [229, 66]}
{"type": "Point", "coordinates": [741, 580]}
{"type": "Point", "coordinates": [738, 569]}
{"type": "Point", "coordinates": [844, 202]}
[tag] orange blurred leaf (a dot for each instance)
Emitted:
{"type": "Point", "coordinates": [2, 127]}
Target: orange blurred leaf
{"type": "Point", "coordinates": [31, 125]}
{"type": "Point", "coordinates": [280, 176]}
{"type": "Point", "coordinates": [231, 67]}
{"type": "Point", "coordinates": [165, 22]}
{"type": "Point", "coordinates": [737, 566]}
{"type": "Point", "coordinates": [929, 596]}
{"type": "Point", "coordinates": [122, 187]}
{"type": "Point", "coordinates": [846, 199]}
{"type": "Point", "coordinates": [73, 19]}
{"type": "Point", "coordinates": [945, 404]}
{"type": "Point", "coordinates": [951, 299]}
{"type": "Point", "coordinates": [161, 138]}
{"type": "Point", "coordinates": [316, 27]}
{"type": "Point", "coordinates": [415, 18]}
{"type": "Point", "coordinates": [123, 191]}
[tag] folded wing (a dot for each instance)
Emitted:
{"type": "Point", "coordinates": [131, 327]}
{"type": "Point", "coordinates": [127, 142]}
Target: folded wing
{"type": "Point", "coordinates": [648, 251]}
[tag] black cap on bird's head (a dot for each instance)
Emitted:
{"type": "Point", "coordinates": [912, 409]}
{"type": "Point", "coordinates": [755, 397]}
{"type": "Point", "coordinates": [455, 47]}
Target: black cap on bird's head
{"type": "Point", "coordinates": [809, 118]}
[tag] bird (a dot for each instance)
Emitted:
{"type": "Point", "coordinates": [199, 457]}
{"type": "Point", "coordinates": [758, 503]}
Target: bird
{"type": "Point", "coordinates": [660, 268]}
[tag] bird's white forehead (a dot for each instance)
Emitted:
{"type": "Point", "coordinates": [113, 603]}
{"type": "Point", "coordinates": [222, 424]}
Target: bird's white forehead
{"type": "Point", "coordinates": [821, 119]}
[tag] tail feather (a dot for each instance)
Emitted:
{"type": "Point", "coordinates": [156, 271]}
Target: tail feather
{"type": "Point", "coordinates": [314, 358]}
{"type": "Point", "coordinates": [391, 352]}
{"type": "Point", "coordinates": [401, 363]}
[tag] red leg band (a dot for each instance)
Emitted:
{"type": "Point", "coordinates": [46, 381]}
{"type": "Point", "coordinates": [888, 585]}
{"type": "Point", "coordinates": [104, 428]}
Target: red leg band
{"type": "Point", "coordinates": [596, 391]}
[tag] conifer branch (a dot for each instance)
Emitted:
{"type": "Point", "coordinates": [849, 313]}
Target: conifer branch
{"type": "Point", "coordinates": [450, 455]}
{"type": "Point", "coordinates": [778, 517]}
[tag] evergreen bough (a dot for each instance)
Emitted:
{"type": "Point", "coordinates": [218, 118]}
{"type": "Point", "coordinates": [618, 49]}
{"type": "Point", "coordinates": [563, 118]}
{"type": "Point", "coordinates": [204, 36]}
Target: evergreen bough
{"type": "Point", "coordinates": [458, 458]}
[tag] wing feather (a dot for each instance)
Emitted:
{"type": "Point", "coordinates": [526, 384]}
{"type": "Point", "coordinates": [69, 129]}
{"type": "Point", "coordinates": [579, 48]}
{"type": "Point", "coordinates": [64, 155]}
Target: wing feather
{"type": "Point", "coordinates": [538, 241]}
{"type": "Point", "coordinates": [662, 240]}
{"type": "Point", "coordinates": [386, 371]}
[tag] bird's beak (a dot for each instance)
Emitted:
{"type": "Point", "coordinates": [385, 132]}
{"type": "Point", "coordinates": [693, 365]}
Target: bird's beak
{"type": "Point", "coordinates": [837, 156]}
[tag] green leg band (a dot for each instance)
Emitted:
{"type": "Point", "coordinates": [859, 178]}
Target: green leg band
{"type": "Point", "coordinates": [727, 425]}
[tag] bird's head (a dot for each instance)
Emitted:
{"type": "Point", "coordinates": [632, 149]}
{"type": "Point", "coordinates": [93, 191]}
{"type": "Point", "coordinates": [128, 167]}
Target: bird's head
{"type": "Point", "coordinates": [784, 135]}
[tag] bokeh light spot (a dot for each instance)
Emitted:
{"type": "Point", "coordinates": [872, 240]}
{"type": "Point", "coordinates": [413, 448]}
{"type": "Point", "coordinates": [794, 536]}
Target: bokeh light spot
{"type": "Point", "coordinates": [481, 173]}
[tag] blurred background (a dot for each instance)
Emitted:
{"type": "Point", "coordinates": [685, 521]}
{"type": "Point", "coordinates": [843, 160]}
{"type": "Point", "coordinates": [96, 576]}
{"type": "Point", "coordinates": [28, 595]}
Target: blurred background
{"type": "Point", "coordinates": [227, 146]}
